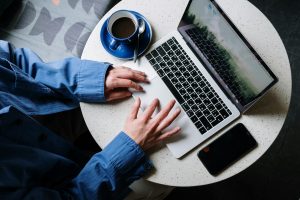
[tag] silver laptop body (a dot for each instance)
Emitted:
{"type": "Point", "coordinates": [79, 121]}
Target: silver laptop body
{"type": "Point", "coordinates": [199, 66]}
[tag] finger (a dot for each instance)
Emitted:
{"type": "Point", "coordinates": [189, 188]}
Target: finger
{"type": "Point", "coordinates": [117, 95]}
{"type": "Point", "coordinates": [125, 83]}
{"type": "Point", "coordinates": [164, 112]}
{"type": "Point", "coordinates": [136, 71]}
{"type": "Point", "coordinates": [168, 121]}
{"type": "Point", "coordinates": [168, 134]}
{"type": "Point", "coordinates": [131, 74]}
{"type": "Point", "coordinates": [150, 109]}
{"type": "Point", "coordinates": [135, 108]}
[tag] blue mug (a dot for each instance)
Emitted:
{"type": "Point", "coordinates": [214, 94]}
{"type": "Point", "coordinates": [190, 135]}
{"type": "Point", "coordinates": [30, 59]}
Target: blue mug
{"type": "Point", "coordinates": [122, 28]}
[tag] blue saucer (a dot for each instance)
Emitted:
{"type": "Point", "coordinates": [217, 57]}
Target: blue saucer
{"type": "Point", "coordinates": [126, 51]}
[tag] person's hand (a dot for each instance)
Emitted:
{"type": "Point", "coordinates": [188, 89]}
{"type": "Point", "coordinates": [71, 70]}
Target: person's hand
{"type": "Point", "coordinates": [145, 130]}
{"type": "Point", "coordinates": [120, 79]}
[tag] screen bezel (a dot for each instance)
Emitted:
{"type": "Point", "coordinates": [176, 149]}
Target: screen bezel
{"type": "Point", "coordinates": [242, 108]}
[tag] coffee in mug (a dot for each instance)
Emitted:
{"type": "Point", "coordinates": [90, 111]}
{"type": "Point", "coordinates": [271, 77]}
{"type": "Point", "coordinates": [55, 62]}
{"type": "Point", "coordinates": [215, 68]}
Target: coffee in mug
{"type": "Point", "coordinates": [123, 27]}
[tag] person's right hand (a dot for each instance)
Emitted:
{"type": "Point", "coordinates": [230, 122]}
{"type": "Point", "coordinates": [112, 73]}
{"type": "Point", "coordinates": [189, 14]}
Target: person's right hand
{"type": "Point", "coordinates": [145, 130]}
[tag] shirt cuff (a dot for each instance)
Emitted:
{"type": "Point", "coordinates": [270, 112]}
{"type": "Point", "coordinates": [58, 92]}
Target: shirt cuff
{"type": "Point", "coordinates": [91, 81]}
{"type": "Point", "coordinates": [126, 156]}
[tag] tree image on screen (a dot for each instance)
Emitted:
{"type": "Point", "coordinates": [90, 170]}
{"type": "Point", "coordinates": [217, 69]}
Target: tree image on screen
{"type": "Point", "coordinates": [222, 61]}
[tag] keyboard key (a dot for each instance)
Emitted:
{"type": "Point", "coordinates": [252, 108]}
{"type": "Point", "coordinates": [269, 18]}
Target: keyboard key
{"type": "Point", "coordinates": [184, 83]}
{"type": "Point", "coordinates": [152, 61]}
{"type": "Point", "coordinates": [218, 106]}
{"type": "Point", "coordinates": [198, 78]}
{"type": "Point", "coordinates": [194, 73]}
{"type": "Point", "coordinates": [186, 96]}
{"type": "Point", "coordinates": [149, 56]}
{"type": "Point", "coordinates": [194, 119]}
{"type": "Point", "coordinates": [190, 102]}
{"type": "Point", "coordinates": [154, 53]}
{"type": "Point", "coordinates": [166, 47]}
{"type": "Point", "coordinates": [170, 63]}
{"type": "Point", "coordinates": [198, 124]}
{"type": "Point", "coordinates": [173, 90]}
{"type": "Point", "coordinates": [189, 90]}
{"type": "Point", "coordinates": [162, 65]}
{"type": "Point", "coordinates": [190, 113]}
{"type": "Point", "coordinates": [206, 89]}
{"type": "Point", "coordinates": [166, 58]}
{"type": "Point", "coordinates": [156, 67]}
{"type": "Point", "coordinates": [160, 72]}
{"type": "Point", "coordinates": [215, 113]}
{"type": "Point", "coordinates": [185, 106]}
{"type": "Point", "coordinates": [170, 42]}
{"type": "Point", "coordinates": [177, 85]}
{"type": "Point", "coordinates": [158, 59]}
{"type": "Point", "coordinates": [202, 130]}
{"type": "Point", "coordinates": [171, 75]}
{"type": "Point", "coordinates": [210, 118]}
{"type": "Point", "coordinates": [214, 100]}
{"type": "Point", "coordinates": [210, 95]}
{"type": "Point", "coordinates": [195, 108]}
{"type": "Point", "coordinates": [224, 113]}
{"type": "Point", "coordinates": [206, 101]}
{"type": "Point", "coordinates": [205, 123]}
{"type": "Point", "coordinates": [194, 95]}
{"type": "Point", "coordinates": [199, 90]}
{"type": "Point", "coordinates": [198, 101]}
{"type": "Point", "coordinates": [178, 52]}
{"type": "Point", "coordinates": [206, 112]}
{"type": "Point", "coordinates": [202, 106]}
{"type": "Point", "coordinates": [182, 91]}
{"type": "Point", "coordinates": [161, 51]}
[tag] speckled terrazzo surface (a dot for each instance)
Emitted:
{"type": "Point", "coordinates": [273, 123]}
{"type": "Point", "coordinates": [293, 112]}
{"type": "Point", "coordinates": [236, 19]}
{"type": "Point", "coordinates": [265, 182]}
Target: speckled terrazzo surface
{"type": "Point", "coordinates": [264, 120]}
{"type": "Point", "coordinates": [276, 175]}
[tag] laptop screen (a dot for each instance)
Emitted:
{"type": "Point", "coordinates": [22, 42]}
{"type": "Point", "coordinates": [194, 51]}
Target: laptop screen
{"type": "Point", "coordinates": [226, 50]}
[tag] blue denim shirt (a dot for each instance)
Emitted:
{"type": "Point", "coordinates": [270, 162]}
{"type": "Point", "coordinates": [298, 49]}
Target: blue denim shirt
{"type": "Point", "coordinates": [35, 163]}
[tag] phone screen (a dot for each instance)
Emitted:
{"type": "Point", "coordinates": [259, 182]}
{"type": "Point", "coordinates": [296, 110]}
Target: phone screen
{"type": "Point", "coordinates": [226, 149]}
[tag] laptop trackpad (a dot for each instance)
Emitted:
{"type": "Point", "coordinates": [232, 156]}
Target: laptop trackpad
{"type": "Point", "coordinates": [155, 89]}
{"type": "Point", "coordinates": [181, 143]}
{"type": "Point", "coordinates": [158, 89]}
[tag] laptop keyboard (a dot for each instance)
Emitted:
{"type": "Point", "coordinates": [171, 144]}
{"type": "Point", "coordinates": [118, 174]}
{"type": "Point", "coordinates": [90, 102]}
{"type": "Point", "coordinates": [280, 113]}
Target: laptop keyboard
{"type": "Point", "coordinates": [190, 88]}
{"type": "Point", "coordinates": [216, 58]}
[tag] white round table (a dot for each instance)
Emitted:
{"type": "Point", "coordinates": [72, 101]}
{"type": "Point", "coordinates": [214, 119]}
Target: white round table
{"type": "Point", "coordinates": [264, 120]}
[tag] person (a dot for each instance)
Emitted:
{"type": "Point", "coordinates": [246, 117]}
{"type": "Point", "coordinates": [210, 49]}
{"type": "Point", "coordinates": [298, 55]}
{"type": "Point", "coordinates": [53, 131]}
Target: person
{"type": "Point", "coordinates": [36, 163]}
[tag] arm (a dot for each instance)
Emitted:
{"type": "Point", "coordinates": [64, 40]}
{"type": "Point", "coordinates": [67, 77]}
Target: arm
{"type": "Point", "coordinates": [72, 78]}
{"type": "Point", "coordinates": [106, 175]}
{"type": "Point", "coordinates": [109, 173]}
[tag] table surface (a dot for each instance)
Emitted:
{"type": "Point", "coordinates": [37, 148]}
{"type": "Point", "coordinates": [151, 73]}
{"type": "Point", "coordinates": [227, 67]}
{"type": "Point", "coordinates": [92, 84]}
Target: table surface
{"type": "Point", "coordinates": [264, 120]}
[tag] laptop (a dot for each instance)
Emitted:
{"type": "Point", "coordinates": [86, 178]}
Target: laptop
{"type": "Point", "coordinates": [210, 69]}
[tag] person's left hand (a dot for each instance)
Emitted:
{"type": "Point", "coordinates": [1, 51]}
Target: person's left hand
{"type": "Point", "coordinates": [120, 79]}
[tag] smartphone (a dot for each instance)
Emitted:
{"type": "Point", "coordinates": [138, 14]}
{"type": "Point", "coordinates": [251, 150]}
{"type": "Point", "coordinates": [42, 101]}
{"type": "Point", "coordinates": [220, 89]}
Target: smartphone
{"type": "Point", "coordinates": [227, 149]}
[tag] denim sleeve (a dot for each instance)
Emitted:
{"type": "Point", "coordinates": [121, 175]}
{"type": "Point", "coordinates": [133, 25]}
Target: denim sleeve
{"type": "Point", "coordinates": [73, 78]}
{"type": "Point", "coordinates": [109, 173]}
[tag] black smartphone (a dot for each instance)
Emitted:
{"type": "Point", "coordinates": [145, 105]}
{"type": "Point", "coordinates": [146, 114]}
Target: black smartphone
{"type": "Point", "coordinates": [227, 149]}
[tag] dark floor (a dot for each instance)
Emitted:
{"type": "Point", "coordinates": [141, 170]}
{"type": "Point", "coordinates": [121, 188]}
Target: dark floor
{"type": "Point", "coordinates": [276, 175]}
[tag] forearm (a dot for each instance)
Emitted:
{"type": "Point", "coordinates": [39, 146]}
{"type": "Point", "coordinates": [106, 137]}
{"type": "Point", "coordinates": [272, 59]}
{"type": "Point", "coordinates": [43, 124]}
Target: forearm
{"type": "Point", "coordinates": [109, 173]}
{"type": "Point", "coordinates": [81, 80]}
